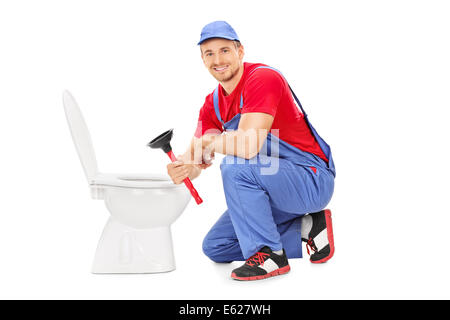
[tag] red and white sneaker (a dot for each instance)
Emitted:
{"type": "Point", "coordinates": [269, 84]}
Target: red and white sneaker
{"type": "Point", "coordinates": [320, 238]}
{"type": "Point", "coordinates": [262, 265]}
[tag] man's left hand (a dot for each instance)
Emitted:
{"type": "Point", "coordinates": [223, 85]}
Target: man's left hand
{"type": "Point", "coordinates": [204, 151]}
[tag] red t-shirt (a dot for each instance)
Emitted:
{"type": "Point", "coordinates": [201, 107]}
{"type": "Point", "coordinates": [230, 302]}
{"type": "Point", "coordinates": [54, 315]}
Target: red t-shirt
{"type": "Point", "coordinates": [266, 91]}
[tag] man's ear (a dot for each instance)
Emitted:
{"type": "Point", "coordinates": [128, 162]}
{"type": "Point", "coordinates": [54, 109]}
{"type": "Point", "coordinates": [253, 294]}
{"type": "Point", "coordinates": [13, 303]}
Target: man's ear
{"type": "Point", "coordinates": [241, 52]}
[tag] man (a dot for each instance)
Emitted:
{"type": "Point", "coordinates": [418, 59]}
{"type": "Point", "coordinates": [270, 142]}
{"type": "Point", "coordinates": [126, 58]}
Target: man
{"type": "Point", "coordinates": [278, 174]}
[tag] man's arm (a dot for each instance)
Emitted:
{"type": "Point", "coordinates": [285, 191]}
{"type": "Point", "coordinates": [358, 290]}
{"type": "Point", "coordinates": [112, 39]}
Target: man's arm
{"type": "Point", "coordinates": [247, 140]}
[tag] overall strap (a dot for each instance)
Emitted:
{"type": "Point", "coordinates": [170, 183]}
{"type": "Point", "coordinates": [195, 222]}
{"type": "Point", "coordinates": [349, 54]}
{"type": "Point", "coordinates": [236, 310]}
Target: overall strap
{"type": "Point", "coordinates": [216, 106]}
{"type": "Point", "coordinates": [322, 144]}
{"type": "Point", "coordinates": [292, 91]}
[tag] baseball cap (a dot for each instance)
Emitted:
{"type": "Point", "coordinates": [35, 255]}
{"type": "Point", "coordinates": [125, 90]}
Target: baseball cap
{"type": "Point", "coordinates": [218, 29]}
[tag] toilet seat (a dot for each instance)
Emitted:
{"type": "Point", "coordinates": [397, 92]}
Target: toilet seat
{"type": "Point", "coordinates": [136, 180]}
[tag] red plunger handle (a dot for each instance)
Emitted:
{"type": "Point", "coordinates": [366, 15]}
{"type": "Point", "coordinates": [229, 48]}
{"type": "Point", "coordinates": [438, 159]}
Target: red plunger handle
{"type": "Point", "coordinates": [187, 181]}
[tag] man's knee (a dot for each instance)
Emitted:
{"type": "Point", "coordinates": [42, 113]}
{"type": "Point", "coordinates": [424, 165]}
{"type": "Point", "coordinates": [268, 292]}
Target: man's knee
{"type": "Point", "coordinates": [221, 249]}
{"type": "Point", "coordinates": [210, 249]}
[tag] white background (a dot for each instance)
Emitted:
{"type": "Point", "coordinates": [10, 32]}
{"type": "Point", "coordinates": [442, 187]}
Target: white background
{"type": "Point", "coordinates": [373, 76]}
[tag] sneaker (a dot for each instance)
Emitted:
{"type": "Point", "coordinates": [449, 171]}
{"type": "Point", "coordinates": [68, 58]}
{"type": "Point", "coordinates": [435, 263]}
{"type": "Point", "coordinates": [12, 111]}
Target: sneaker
{"type": "Point", "coordinates": [261, 265]}
{"type": "Point", "coordinates": [320, 238]}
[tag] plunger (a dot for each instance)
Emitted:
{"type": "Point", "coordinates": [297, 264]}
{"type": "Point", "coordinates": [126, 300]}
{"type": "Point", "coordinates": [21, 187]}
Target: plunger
{"type": "Point", "coordinates": [163, 142]}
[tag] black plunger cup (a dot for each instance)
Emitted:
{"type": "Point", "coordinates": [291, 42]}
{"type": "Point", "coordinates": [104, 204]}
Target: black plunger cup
{"type": "Point", "coordinates": [163, 142]}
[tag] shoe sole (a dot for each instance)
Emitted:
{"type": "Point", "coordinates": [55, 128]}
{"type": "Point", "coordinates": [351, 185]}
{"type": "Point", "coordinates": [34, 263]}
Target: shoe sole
{"type": "Point", "coordinates": [330, 237]}
{"type": "Point", "coordinates": [274, 273]}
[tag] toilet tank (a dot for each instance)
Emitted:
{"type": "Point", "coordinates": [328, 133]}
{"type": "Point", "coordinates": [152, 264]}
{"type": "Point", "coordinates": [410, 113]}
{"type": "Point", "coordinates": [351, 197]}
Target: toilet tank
{"type": "Point", "coordinates": [80, 136]}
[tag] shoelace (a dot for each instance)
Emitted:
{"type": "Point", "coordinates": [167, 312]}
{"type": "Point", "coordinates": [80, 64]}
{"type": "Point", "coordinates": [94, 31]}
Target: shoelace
{"type": "Point", "coordinates": [310, 245]}
{"type": "Point", "coordinates": [257, 258]}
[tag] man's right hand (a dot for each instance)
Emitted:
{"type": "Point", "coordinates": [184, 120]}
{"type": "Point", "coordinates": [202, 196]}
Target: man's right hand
{"type": "Point", "coordinates": [187, 166]}
{"type": "Point", "coordinates": [178, 171]}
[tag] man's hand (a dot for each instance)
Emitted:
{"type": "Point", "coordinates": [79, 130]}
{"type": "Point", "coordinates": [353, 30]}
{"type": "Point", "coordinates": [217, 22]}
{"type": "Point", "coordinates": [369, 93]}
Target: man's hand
{"type": "Point", "coordinates": [245, 142]}
{"type": "Point", "coordinates": [208, 150]}
{"type": "Point", "coordinates": [178, 171]}
{"type": "Point", "coordinates": [203, 151]}
{"type": "Point", "coordinates": [184, 168]}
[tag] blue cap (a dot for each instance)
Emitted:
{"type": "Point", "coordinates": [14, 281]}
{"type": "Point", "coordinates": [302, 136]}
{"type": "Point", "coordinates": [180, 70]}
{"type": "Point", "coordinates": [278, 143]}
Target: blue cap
{"type": "Point", "coordinates": [218, 29]}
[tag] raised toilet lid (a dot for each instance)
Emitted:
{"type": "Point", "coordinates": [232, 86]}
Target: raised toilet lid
{"type": "Point", "coordinates": [80, 136]}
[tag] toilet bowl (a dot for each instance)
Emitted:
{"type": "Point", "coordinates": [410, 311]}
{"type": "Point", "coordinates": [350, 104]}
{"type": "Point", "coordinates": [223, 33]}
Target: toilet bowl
{"type": "Point", "coordinates": [137, 237]}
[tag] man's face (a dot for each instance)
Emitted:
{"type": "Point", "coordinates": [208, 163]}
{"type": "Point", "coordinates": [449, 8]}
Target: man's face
{"type": "Point", "coordinates": [222, 59]}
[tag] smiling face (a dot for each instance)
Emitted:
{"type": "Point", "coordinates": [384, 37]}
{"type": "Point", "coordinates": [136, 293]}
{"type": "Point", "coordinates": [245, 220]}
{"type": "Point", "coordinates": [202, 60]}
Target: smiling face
{"type": "Point", "coordinates": [222, 58]}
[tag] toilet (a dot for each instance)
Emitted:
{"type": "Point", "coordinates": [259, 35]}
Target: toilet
{"type": "Point", "coordinates": [137, 237]}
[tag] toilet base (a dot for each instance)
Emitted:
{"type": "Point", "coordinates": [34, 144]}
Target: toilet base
{"type": "Point", "coordinates": [123, 249]}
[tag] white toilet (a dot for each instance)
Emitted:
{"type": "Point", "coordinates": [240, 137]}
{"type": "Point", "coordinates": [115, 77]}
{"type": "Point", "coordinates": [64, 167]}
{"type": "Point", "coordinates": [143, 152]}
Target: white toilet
{"type": "Point", "coordinates": [137, 237]}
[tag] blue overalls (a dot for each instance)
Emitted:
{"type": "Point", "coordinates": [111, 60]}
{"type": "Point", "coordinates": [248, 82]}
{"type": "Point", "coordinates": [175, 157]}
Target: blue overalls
{"type": "Point", "coordinates": [267, 195]}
